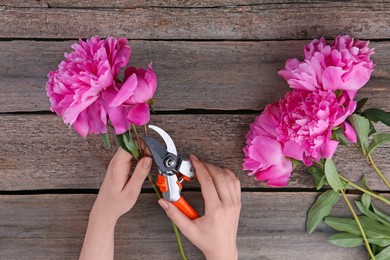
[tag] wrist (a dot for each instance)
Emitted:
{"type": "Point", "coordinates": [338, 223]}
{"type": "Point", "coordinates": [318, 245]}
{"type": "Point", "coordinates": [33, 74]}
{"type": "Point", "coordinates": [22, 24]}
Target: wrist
{"type": "Point", "coordinates": [102, 219]}
{"type": "Point", "coordinates": [230, 254]}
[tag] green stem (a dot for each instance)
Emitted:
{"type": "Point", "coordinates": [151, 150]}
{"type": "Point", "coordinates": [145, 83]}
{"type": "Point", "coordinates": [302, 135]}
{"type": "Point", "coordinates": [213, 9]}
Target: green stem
{"type": "Point", "coordinates": [364, 190]}
{"type": "Point", "coordinates": [175, 229]}
{"type": "Point", "coordinates": [146, 130]}
{"type": "Point", "coordinates": [138, 141]}
{"type": "Point", "coordinates": [359, 225]}
{"type": "Point", "coordinates": [154, 186]}
{"type": "Point", "coordinates": [378, 171]}
{"type": "Point", "coordinates": [179, 244]}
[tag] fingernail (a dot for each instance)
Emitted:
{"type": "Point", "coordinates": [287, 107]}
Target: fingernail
{"type": "Point", "coordinates": [194, 157]}
{"type": "Point", "coordinates": [147, 163]}
{"type": "Point", "coordinates": [163, 204]}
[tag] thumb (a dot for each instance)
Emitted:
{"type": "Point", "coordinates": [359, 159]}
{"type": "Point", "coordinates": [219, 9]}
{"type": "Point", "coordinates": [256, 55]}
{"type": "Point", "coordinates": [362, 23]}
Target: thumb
{"type": "Point", "coordinates": [182, 221]}
{"type": "Point", "coordinates": [134, 185]}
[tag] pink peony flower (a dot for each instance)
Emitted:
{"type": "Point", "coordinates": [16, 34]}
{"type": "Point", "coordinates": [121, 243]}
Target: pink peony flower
{"type": "Point", "coordinates": [306, 122]}
{"type": "Point", "coordinates": [263, 152]}
{"type": "Point", "coordinates": [343, 65]}
{"type": "Point", "coordinates": [85, 88]}
{"type": "Point", "coordinates": [128, 104]}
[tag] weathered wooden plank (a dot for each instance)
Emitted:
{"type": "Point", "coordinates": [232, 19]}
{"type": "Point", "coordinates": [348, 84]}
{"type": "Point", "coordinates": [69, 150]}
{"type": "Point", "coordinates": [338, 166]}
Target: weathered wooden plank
{"type": "Point", "coordinates": [207, 75]}
{"type": "Point", "coordinates": [287, 21]}
{"type": "Point", "coordinates": [123, 4]}
{"type": "Point", "coordinates": [272, 226]}
{"type": "Point", "coordinates": [171, 3]}
{"type": "Point", "coordinates": [40, 152]}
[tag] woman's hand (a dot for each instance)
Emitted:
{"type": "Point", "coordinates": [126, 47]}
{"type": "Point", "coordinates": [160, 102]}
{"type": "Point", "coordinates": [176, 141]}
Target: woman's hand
{"type": "Point", "coordinates": [214, 233]}
{"type": "Point", "coordinates": [119, 191]}
{"type": "Point", "coordinates": [117, 195]}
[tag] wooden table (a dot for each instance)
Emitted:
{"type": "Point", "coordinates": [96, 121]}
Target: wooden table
{"type": "Point", "coordinates": [216, 63]}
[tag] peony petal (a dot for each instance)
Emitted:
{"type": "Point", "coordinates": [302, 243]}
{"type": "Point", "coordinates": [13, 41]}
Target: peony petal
{"type": "Point", "coordinates": [331, 78]}
{"type": "Point", "coordinates": [139, 114]}
{"type": "Point", "coordinates": [349, 132]}
{"type": "Point", "coordinates": [357, 76]}
{"type": "Point", "coordinates": [125, 92]}
{"type": "Point", "coordinates": [142, 92]}
{"type": "Point", "coordinates": [276, 175]}
{"type": "Point", "coordinates": [293, 150]}
{"type": "Point", "coordinates": [329, 148]}
{"type": "Point", "coordinates": [118, 118]}
{"type": "Point", "coordinates": [266, 150]}
{"type": "Point", "coordinates": [71, 114]}
{"type": "Point", "coordinates": [81, 124]}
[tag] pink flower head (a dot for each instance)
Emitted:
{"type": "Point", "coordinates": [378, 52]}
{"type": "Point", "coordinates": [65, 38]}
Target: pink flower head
{"type": "Point", "coordinates": [84, 86]}
{"type": "Point", "coordinates": [306, 122]}
{"type": "Point", "coordinates": [263, 152]}
{"type": "Point", "coordinates": [343, 65]}
{"type": "Point", "coordinates": [128, 103]}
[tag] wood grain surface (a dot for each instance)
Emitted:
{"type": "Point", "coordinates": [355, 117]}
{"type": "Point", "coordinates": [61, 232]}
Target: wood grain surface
{"type": "Point", "coordinates": [40, 152]}
{"type": "Point", "coordinates": [238, 22]}
{"type": "Point", "coordinates": [216, 64]}
{"type": "Point", "coordinates": [191, 75]}
{"type": "Point", "coordinates": [271, 227]}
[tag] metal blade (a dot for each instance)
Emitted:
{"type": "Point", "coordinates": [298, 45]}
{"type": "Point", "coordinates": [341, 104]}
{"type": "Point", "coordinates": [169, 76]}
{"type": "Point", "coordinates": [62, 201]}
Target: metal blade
{"type": "Point", "coordinates": [167, 139]}
{"type": "Point", "coordinates": [159, 152]}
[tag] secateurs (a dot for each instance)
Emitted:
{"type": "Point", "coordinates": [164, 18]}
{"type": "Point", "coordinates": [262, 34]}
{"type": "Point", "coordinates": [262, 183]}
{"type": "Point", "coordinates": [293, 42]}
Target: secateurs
{"type": "Point", "coordinates": [173, 169]}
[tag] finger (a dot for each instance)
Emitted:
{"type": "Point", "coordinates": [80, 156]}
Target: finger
{"type": "Point", "coordinates": [222, 186]}
{"type": "Point", "coordinates": [134, 185]}
{"type": "Point", "coordinates": [231, 177]}
{"type": "Point", "coordinates": [120, 166]}
{"type": "Point", "coordinates": [235, 183]}
{"type": "Point", "coordinates": [182, 221]}
{"type": "Point", "coordinates": [209, 192]}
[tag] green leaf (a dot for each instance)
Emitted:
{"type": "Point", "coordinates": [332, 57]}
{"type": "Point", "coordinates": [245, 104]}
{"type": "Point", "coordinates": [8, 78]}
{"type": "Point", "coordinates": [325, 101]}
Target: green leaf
{"type": "Point", "coordinates": [381, 213]}
{"type": "Point", "coordinates": [106, 141]}
{"type": "Point", "coordinates": [383, 242]}
{"type": "Point", "coordinates": [321, 208]}
{"type": "Point", "coordinates": [127, 143]}
{"type": "Point", "coordinates": [332, 176]}
{"type": "Point", "coordinates": [338, 134]}
{"type": "Point", "coordinates": [343, 224]}
{"type": "Point", "coordinates": [372, 129]}
{"type": "Point", "coordinates": [364, 183]}
{"type": "Point", "coordinates": [294, 162]}
{"type": "Point", "coordinates": [376, 115]}
{"type": "Point", "coordinates": [384, 254]}
{"type": "Point", "coordinates": [131, 145]}
{"type": "Point", "coordinates": [375, 249]}
{"type": "Point", "coordinates": [370, 213]}
{"type": "Point", "coordinates": [318, 176]}
{"type": "Point", "coordinates": [373, 228]}
{"type": "Point", "coordinates": [366, 200]}
{"type": "Point", "coordinates": [362, 129]}
{"type": "Point", "coordinates": [360, 105]}
{"type": "Point", "coordinates": [346, 240]}
{"type": "Point", "coordinates": [378, 140]}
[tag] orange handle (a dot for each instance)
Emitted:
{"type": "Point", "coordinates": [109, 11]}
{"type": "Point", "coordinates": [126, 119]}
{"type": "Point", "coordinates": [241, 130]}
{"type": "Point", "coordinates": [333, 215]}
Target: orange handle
{"type": "Point", "coordinates": [186, 208]}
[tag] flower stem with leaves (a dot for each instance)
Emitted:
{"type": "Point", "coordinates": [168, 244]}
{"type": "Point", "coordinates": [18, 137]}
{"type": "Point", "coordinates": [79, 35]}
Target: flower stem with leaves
{"type": "Point", "coordinates": [359, 225]}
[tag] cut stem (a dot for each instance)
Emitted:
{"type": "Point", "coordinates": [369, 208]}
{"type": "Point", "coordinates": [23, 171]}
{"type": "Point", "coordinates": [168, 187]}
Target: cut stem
{"type": "Point", "coordinates": [378, 171]}
{"type": "Point", "coordinates": [364, 190]}
{"type": "Point", "coordinates": [175, 229]}
{"type": "Point", "coordinates": [138, 141]}
{"type": "Point", "coordinates": [179, 244]}
{"type": "Point", "coordinates": [359, 225]}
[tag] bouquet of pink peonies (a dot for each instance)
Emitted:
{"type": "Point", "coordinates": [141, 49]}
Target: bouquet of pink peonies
{"type": "Point", "coordinates": [88, 93]}
{"type": "Point", "coordinates": [309, 123]}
